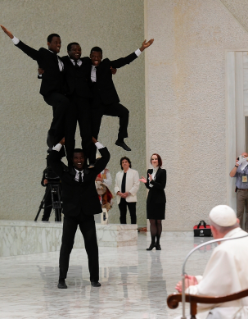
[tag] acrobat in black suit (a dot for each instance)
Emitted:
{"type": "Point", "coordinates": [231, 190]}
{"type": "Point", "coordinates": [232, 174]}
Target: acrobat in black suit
{"type": "Point", "coordinates": [52, 85]}
{"type": "Point", "coordinates": [80, 203]}
{"type": "Point", "coordinates": [105, 98]}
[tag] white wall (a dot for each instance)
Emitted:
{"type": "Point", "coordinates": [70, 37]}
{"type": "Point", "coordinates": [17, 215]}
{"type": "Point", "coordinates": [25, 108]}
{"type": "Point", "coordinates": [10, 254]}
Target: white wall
{"type": "Point", "coordinates": [186, 110]}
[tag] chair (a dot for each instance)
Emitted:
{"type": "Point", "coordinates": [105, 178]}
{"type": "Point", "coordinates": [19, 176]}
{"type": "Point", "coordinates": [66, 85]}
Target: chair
{"type": "Point", "coordinates": [174, 299]}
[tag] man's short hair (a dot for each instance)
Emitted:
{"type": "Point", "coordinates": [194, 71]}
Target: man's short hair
{"type": "Point", "coordinates": [50, 37]}
{"type": "Point", "coordinates": [71, 44]}
{"type": "Point", "coordinates": [78, 150]}
{"type": "Point", "coordinates": [96, 49]}
{"type": "Point", "coordinates": [125, 158]}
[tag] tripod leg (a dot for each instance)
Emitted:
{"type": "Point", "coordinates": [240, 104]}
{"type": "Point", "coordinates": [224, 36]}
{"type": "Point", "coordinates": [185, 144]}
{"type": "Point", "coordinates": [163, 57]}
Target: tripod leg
{"type": "Point", "coordinates": [40, 207]}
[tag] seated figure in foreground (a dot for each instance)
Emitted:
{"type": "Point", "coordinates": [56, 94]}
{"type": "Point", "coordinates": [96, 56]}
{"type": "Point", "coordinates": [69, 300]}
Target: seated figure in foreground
{"type": "Point", "coordinates": [226, 271]}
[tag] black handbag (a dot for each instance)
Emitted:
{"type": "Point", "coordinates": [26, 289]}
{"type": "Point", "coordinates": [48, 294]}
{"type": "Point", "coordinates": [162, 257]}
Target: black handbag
{"type": "Point", "coordinates": [202, 230]}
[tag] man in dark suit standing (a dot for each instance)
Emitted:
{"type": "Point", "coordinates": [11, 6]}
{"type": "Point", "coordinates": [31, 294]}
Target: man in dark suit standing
{"type": "Point", "coordinates": [105, 98]}
{"type": "Point", "coordinates": [80, 203]}
{"type": "Point", "coordinates": [77, 89]}
{"type": "Point", "coordinates": [52, 85]}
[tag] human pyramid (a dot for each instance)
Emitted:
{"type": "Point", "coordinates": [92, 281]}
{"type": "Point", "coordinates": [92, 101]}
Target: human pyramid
{"type": "Point", "coordinates": [79, 90]}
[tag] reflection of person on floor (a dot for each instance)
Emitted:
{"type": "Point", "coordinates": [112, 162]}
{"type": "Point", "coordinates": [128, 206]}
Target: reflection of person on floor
{"type": "Point", "coordinates": [240, 171]}
{"type": "Point", "coordinates": [48, 195]}
{"type": "Point", "coordinates": [126, 187]}
{"type": "Point", "coordinates": [155, 203]}
{"type": "Point", "coordinates": [226, 271]}
{"type": "Point", "coordinates": [52, 81]}
{"type": "Point", "coordinates": [80, 203]}
{"type": "Point", "coordinates": [105, 98]}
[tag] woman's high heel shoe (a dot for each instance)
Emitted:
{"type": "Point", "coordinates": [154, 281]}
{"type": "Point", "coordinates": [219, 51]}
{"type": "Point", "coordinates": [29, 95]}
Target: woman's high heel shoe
{"type": "Point", "coordinates": [151, 247]}
{"type": "Point", "coordinates": [158, 247]}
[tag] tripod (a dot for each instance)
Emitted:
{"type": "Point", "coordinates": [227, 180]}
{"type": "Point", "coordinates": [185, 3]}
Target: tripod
{"type": "Point", "coordinates": [53, 190]}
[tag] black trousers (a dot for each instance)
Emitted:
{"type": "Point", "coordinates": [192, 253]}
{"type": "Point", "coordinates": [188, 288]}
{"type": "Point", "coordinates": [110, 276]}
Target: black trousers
{"type": "Point", "coordinates": [88, 230]}
{"type": "Point", "coordinates": [114, 109]}
{"type": "Point", "coordinates": [60, 104]}
{"type": "Point", "coordinates": [123, 211]}
{"type": "Point", "coordinates": [79, 111]}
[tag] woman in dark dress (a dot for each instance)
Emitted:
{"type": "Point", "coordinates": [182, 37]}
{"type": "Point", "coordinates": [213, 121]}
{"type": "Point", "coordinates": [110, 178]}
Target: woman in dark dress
{"type": "Point", "coordinates": [155, 204]}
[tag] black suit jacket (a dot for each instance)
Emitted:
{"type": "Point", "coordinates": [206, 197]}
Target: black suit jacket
{"type": "Point", "coordinates": [105, 85]}
{"type": "Point", "coordinates": [79, 196]}
{"type": "Point", "coordinates": [53, 78]}
{"type": "Point", "coordinates": [156, 193]}
{"type": "Point", "coordinates": [77, 79]}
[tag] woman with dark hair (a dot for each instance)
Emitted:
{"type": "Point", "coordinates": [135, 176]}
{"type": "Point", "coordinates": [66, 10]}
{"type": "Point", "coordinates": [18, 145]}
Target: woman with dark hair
{"type": "Point", "coordinates": [155, 204]}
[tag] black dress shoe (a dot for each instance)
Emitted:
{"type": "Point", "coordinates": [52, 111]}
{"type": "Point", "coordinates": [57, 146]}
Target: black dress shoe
{"type": "Point", "coordinates": [95, 284]}
{"type": "Point", "coordinates": [62, 284]}
{"type": "Point", "coordinates": [158, 247]}
{"type": "Point", "coordinates": [151, 247]}
{"type": "Point", "coordinates": [123, 145]}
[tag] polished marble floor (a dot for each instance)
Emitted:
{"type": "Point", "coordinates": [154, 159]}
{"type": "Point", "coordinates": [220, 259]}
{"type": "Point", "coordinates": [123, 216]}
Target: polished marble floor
{"type": "Point", "coordinates": [135, 283]}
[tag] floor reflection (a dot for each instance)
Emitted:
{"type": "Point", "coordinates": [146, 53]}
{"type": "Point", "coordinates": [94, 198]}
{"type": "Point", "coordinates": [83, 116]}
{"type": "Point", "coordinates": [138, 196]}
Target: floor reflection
{"type": "Point", "coordinates": [135, 282]}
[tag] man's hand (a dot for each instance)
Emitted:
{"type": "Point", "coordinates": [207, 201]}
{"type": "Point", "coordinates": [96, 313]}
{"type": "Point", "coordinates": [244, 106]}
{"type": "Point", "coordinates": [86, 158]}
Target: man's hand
{"type": "Point", "coordinates": [9, 34]}
{"type": "Point", "coordinates": [113, 71]}
{"type": "Point", "coordinates": [45, 181]}
{"type": "Point", "coordinates": [62, 142]}
{"type": "Point", "coordinates": [40, 71]}
{"type": "Point", "coordinates": [143, 180]}
{"type": "Point", "coordinates": [120, 194]}
{"type": "Point", "coordinates": [189, 281]}
{"type": "Point", "coordinates": [94, 140]}
{"type": "Point", "coordinates": [146, 45]}
{"type": "Point", "coordinates": [125, 195]}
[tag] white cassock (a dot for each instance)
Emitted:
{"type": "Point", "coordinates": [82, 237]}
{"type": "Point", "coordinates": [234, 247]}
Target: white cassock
{"type": "Point", "coordinates": [226, 273]}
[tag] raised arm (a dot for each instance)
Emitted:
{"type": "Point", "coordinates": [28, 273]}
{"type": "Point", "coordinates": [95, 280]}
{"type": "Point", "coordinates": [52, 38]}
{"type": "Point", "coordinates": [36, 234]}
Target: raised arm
{"type": "Point", "coordinates": [103, 161]}
{"type": "Point", "coordinates": [128, 59]}
{"type": "Point", "coordinates": [34, 54]}
{"type": "Point", "coordinates": [54, 159]}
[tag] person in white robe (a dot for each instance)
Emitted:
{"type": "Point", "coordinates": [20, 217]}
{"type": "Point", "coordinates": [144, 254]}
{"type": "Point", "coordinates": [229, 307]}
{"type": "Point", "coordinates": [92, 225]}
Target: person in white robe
{"type": "Point", "coordinates": [226, 271]}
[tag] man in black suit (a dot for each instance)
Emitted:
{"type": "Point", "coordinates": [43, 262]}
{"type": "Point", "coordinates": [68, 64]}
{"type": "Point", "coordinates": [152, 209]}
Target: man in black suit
{"type": "Point", "coordinates": [105, 98]}
{"type": "Point", "coordinates": [80, 203]}
{"type": "Point", "coordinates": [52, 85]}
{"type": "Point", "coordinates": [77, 75]}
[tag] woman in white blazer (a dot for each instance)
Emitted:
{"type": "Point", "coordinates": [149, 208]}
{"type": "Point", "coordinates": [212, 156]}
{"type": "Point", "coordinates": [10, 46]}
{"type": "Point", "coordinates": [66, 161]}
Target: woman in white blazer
{"type": "Point", "coordinates": [126, 187]}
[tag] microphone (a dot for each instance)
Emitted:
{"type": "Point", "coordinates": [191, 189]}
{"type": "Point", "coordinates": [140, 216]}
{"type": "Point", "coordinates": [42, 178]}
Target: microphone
{"type": "Point", "coordinates": [187, 257]}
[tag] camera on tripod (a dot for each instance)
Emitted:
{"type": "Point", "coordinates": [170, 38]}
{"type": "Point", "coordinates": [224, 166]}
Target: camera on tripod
{"type": "Point", "coordinates": [52, 198]}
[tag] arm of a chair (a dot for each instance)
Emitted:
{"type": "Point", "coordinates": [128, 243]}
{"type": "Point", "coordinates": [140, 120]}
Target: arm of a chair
{"type": "Point", "coordinates": [174, 299]}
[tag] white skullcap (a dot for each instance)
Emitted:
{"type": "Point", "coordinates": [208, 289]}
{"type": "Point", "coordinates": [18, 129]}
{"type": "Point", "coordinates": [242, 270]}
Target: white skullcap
{"type": "Point", "coordinates": [223, 215]}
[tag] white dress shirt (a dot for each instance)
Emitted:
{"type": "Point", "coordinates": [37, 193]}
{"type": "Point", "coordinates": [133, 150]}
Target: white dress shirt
{"type": "Point", "coordinates": [93, 68]}
{"type": "Point", "coordinates": [154, 172]}
{"type": "Point", "coordinates": [60, 63]}
{"type": "Point", "coordinates": [79, 62]}
{"type": "Point", "coordinates": [58, 148]}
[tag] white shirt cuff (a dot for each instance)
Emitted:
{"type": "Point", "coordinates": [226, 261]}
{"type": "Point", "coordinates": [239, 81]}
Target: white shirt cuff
{"type": "Point", "coordinates": [40, 76]}
{"type": "Point", "coordinates": [57, 147]}
{"type": "Point", "coordinates": [15, 40]}
{"type": "Point", "coordinates": [138, 52]}
{"type": "Point", "coordinates": [99, 145]}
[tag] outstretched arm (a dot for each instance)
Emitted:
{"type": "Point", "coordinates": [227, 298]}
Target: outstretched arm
{"type": "Point", "coordinates": [34, 54]}
{"type": "Point", "coordinates": [128, 59]}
